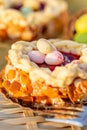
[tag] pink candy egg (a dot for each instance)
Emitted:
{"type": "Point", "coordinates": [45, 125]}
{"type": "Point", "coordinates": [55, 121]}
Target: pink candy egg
{"type": "Point", "coordinates": [36, 57]}
{"type": "Point", "coordinates": [54, 58]}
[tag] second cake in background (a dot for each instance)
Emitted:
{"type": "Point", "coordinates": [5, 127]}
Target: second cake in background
{"type": "Point", "coordinates": [33, 19]}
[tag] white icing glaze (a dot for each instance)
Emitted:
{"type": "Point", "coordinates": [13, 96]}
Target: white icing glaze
{"type": "Point", "coordinates": [61, 76]}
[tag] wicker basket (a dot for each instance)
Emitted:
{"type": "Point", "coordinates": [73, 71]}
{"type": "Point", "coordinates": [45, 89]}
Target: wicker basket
{"type": "Point", "coordinates": [69, 29]}
{"type": "Point", "coordinates": [13, 116]}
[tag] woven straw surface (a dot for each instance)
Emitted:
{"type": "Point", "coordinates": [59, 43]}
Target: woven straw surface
{"type": "Point", "coordinates": [13, 116]}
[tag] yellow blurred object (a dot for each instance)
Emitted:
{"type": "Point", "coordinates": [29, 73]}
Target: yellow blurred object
{"type": "Point", "coordinates": [81, 24]}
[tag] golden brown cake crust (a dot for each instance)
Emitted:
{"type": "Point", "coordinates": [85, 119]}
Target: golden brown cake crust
{"type": "Point", "coordinates": [18, 55]}
{"type": "Point", "coordinates": [24, 81]}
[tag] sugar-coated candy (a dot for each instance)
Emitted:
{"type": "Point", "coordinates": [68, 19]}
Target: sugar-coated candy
{"type": "Point", "coordinates": [54, 58]}
{"type": "Point", "coordinates": [44, 46]}
{"type": "Point", "coordinates": [81, 24]}
{"type": "Point", "coordinates": [80, 37]}
{"type": "Point", "coordinates": [36, 56]}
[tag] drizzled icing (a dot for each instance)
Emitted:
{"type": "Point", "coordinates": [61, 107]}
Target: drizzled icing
{"type": "Point", "coordinates": [61, 76]}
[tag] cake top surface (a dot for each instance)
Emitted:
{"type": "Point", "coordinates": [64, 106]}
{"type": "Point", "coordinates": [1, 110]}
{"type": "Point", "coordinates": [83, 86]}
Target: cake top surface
{"type": "Point", "coordinates": [31, 57]}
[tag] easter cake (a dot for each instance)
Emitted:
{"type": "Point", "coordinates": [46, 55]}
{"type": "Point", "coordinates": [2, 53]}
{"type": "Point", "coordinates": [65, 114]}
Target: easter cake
{"type": "Point", "coordinates": [32, 19]}
{"type": "Point", "coordinates": [52, 74]}
{"type": "Point", "coordinates": [76, 27]}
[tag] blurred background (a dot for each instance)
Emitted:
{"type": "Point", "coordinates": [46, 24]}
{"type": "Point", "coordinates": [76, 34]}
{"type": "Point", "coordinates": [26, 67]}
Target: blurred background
{"type": "Point", "coordinates": [76, 5]}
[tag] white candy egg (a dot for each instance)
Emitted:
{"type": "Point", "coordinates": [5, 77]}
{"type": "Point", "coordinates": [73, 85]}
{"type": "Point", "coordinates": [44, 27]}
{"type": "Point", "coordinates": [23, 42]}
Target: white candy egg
{"type": "Point", "coordinates": [36, 57]}
{"type": "Point", "coordinates": [54, 58]}
{"type": "Point", "coordinates": [44, 46]}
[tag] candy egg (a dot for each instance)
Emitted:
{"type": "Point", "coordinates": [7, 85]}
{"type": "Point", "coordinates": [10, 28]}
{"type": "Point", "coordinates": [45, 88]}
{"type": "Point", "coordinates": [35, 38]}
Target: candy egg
{"type": "Point", "coordinates": [36, 57]}
{"type": "Point", "coordinates": [80, 37]}
{"type": "Point", "coordinates": [54, 58]}
{"type": "Point", "coordinates": [81, 24]}
{"type": "Point", "coordinates": [44, 46]}
{"type": "Point", "coordinates": [26, 10]}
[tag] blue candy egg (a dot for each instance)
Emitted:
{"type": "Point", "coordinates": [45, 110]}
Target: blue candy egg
{"type": "Point", "coordinates": [26, 10]}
